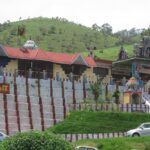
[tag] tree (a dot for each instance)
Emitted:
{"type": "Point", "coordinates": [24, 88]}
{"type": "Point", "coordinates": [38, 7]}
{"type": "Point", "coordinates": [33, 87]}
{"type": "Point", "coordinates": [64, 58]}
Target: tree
{"type": "Point", "coordinates": [96, 89]}
{"type": "Point", "coordinates": [116, 95]}
{"type": "Point", "coordinates": [106, 29]}
{"type": "Point", "coordinates": [96, 27]}
{"type": "Point", "coordinates": [52, 30]}
{"type": "Point", "coordinates": [21, 30]}
{"type": "Point", "coordinates": [35, 140]}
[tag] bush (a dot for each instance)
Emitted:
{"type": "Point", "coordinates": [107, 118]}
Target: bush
{"type": "Point", "coordinates": [35, 140]}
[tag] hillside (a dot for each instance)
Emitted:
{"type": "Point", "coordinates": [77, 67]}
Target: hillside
{"type": "Point", "coordinates": [111, 53]}
{"type": "Point", "coordinates": [60, 35]}
{"type": "Point", "coordinates": [55, 34]}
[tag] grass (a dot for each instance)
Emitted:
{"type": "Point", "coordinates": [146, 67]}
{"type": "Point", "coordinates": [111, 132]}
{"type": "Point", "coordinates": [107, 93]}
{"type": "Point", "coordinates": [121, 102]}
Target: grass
{"type": "Point", "coordinates": [111, 53]}
{"type": "Point", "coordinates": [54, 34]}
{"type": "Point", "coordinates": [124, 143]}
{"type": "Point", "coordinates": [99, 122]}
{"type": "Point", "coordinates": [61, 35]}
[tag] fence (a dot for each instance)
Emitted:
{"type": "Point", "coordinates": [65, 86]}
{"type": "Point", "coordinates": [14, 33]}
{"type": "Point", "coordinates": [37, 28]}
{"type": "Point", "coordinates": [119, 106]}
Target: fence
{"type": "Point", "coordinates": [110, 107]}
{"type": "Point", "coordinates": [76, 137]}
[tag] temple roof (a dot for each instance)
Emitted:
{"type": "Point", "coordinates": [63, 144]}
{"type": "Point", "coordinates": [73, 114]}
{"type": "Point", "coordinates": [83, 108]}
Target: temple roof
{"type": "Point", "coordinates": [38, 54]}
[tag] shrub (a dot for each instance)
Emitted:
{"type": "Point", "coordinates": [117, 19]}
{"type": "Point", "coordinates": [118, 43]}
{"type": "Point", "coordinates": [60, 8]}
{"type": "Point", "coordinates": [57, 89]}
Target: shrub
{"type": "Point", "coordinates": [35, 140]}
{"type": "Point", "coordinates": [96, 89]}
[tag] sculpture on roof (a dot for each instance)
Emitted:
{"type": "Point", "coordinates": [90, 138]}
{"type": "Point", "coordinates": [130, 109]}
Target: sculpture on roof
{"type": "Point", "coordinates": [122, 54]}
{"type": "Point", "coordinates": [30, 45]}
{"type": "Point", "coordinates": [142, 49]}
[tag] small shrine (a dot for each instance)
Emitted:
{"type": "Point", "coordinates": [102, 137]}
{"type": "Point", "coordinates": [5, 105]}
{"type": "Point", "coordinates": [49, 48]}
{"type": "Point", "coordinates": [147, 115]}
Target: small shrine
{"type": "Point", "coordinates": [133, 93]}
{"type": "Point", "coordinates": [142, 49]}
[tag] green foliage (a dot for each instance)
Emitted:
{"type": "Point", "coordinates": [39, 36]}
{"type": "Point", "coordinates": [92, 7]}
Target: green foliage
{"type": "Point", "coordinates": [35, 140]}
{"type": "Point", "coordinates": [58, 34]}
{"type": "Point", "coordinates": [99, 122]}
{"type": "Point", "coordinates": [96, 89]}
{"type": "Point", "coordinates": [111, 53]}
{"type": "Point", "coordinates": [123, 143]}
{"type": "Point", "coordinates": [116, 95]}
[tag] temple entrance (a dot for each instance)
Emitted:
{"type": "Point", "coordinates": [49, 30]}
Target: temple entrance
{"type": "Point", "coordinates": [37, 68]}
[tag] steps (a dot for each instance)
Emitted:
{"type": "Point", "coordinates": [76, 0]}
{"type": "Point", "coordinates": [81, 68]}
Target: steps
{"type": "Point", "coordinates": [36, 104]}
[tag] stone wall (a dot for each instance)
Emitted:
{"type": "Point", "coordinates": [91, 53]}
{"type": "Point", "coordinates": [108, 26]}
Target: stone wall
{"type": "Point", "coordinates": [37, 104]}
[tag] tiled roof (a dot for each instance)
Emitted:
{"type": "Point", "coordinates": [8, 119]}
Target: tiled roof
{"type": "Point", "coordinates": [38, 54]}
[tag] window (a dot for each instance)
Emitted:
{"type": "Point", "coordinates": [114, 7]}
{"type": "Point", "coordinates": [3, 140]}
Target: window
{"type": "Point", "coordinates": [146, 125]}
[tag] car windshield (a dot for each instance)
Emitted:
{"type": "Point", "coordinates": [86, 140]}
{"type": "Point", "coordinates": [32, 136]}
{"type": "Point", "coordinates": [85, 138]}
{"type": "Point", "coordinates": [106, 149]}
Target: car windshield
{"type": "Point", "coordinates": [144, 126]}
{"type": "Point", "coordinates": [140, 126]}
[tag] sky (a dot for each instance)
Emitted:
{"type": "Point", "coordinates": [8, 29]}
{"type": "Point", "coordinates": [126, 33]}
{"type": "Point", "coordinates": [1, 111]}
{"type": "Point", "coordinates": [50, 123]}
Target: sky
{"type": "Point", "coordinates": [120, 14]}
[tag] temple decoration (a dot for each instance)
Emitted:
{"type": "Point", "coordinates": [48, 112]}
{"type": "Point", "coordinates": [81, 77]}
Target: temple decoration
{"type": "Point", "coordinates": [133, 94]}
{"type": "Point", "coordinates": [122, 54]}
{"type": "Point", "coordinates": [142, 49]}
{"type": "Point", "coordinates": [29, 44]}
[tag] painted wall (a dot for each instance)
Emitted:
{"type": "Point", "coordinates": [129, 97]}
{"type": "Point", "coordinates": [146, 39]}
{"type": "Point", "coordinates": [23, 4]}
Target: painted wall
{"type": "Point", "coordinates": [90, 75]}
{"type": "Point", "coordinates": [11, 66]}
{"type": "Point", "coordinates": [57, 68]}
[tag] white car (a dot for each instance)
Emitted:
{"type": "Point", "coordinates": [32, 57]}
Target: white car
{"type": "Point", "coordinates": [3, 135]}
{"type": "Point", "coordinates": [142, 130]}
{"type": "Point", "coordinates": [85, 148]}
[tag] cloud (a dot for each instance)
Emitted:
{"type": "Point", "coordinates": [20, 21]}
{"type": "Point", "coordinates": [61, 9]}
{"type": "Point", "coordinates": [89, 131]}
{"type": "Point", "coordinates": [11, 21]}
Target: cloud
{"type": "Point", "coordinates": [120, 14]}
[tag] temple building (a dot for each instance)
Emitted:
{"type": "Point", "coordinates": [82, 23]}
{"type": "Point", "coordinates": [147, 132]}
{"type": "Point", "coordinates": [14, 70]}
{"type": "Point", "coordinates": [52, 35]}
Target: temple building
{"type": "Point", "coordinates": [138, 65]}
{"type": "Point", "coordinates": [33, 62]}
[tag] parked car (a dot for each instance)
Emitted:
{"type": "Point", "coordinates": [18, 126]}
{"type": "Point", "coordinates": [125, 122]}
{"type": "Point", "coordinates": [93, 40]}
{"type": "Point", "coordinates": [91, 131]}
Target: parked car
{"type": "Point", "coordinates": [3, 135]}
{"type": "Point", "coordinates": [141, 130]}
{"type": "Point", "coordinates": [85, 148]}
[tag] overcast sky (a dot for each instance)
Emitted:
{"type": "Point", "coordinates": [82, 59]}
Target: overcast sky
{"type": "Point", "coordinates": [120, 14]}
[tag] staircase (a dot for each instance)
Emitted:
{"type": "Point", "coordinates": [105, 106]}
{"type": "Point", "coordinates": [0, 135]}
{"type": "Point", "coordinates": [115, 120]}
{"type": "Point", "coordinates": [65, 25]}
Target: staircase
{"type": "Point", "coordinates": [36, 104]}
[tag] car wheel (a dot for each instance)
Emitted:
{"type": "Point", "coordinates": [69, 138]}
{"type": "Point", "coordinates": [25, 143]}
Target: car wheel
{"type": "Point", "coordinates": [135, 135]}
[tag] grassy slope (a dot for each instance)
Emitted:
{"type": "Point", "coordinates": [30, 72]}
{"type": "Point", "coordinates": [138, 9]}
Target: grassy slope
{"type": "Point", "coordinates": [66, 36]}
{"type": "Point", "coordinates": [139, 143]}
{"type": "Point", "coordinates": [111, 53]}
{"type": "Point", "coordinates": [99, 122]}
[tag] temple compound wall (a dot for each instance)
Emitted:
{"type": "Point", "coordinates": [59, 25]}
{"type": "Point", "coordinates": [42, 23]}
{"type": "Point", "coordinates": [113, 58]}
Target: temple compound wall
{"type": "Point", "coordinates": [38, 104]}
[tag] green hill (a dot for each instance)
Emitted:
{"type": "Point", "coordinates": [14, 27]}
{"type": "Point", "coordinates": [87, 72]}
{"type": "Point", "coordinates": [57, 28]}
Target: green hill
{"type": "Point", "coordinates": [55, 34]}
{"type": "Point", "coordinates": [111, 53]}
{"type": "Point", "coordinates": [60, 35]}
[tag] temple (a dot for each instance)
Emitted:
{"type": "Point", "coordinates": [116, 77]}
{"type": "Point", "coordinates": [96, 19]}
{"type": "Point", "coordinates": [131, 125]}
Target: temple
{"type": "Point", "coordinates": [138, 65]}
{"type": "Point", "coordinates": [39, 88]}
{"type": "Point", "coordinates": [33, 62]}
